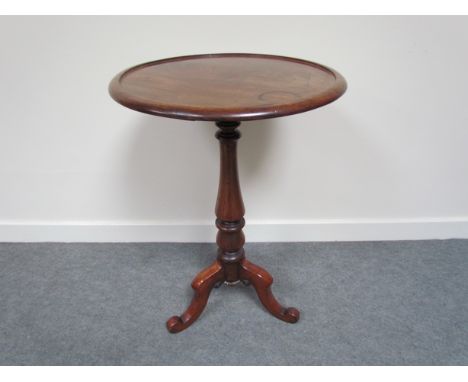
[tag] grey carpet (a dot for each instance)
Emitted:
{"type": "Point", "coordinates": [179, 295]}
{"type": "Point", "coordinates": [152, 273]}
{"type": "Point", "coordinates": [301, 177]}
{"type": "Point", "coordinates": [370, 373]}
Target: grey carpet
{"type": "Point", "coordinates": [363, 303]}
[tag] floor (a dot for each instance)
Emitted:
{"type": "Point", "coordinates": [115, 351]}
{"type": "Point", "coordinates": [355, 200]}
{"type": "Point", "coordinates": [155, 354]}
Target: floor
{"type": "Point", "coordinates": [362, 303]}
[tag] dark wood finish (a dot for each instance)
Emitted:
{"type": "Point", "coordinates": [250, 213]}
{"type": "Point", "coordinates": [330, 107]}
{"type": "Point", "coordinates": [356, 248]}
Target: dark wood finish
{"type": "Point", "coordinates": [262, 280]}
{"type": "Point", "coordinates": [227, 87]}
{"type": "Point", "coordinates": [230, 266]}
{"type": "Point", "coordinates": [202, 285]}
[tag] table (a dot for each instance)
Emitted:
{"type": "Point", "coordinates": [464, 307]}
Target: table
{"type": "Point", "coordinates": [228, 89]}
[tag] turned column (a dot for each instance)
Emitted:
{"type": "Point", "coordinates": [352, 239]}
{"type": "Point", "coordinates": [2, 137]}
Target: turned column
{"type": "Point", "coordinates": [229, 205]}
{"type": "Point", "coordinates": [230, 265]}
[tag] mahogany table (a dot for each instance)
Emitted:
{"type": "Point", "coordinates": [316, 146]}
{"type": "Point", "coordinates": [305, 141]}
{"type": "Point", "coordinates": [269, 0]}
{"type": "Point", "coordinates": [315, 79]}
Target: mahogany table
{"type": "Point", "coordinates": [227, 89]}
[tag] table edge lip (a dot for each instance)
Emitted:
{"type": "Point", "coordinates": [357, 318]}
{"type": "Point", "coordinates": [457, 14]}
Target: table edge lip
{"type": "Point", "coordinates": [220, 114]}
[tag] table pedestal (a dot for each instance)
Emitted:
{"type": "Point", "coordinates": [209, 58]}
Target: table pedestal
{"type": "Point", "coordinates": [230, 265]}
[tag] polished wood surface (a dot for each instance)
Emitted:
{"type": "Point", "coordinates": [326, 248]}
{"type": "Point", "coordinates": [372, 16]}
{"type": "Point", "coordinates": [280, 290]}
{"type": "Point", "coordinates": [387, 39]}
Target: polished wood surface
{"type": "Point", "coordinates": [202, 286]}
{"type": "Point", "coordinates": [231, 265]}
{"type": "Point", "coordinates": [227, 87]}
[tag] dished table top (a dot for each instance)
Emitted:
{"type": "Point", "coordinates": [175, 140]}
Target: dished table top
{"type": "Point", "coordinates": [227, 87]}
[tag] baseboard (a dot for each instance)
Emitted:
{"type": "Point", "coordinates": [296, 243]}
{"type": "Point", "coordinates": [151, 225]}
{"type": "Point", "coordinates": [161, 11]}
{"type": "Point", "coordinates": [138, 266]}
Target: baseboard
{"type": "Point", "coordinates": [271, 231]}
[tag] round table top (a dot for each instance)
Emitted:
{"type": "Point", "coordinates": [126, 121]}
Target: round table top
{"type": "Point", "coordinates": [227, 87]}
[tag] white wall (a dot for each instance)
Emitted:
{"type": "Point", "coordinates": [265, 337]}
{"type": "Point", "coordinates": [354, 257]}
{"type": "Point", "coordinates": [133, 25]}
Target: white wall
{"type": "Point", "coordinates": [389, 160]}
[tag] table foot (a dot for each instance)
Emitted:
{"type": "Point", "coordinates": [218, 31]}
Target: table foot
{"type": "Point", "coordinates": [202, 285]}
{"type": "Point", "coordinates": [261, 281]}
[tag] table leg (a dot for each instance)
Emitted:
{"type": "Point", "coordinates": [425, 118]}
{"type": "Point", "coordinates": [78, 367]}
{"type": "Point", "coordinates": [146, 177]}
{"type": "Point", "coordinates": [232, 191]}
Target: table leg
{"type": "Point", "coordinates": [202, 285]}
{"type": "Point", "coordinates": [230, 265]}
{"type": "Point", "coordinates": [262, 280]}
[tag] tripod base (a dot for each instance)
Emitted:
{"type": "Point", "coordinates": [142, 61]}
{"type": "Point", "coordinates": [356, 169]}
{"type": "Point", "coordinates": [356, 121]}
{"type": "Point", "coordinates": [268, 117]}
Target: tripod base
{"type": "Point", "coordinates": [214, 275]}
{"type": "Point", "coordinates": [230, 266]}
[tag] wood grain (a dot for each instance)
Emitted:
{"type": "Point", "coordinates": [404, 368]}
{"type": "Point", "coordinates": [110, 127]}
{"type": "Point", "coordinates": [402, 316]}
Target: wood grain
{"type": "Point", "coordinates": [227, 87]}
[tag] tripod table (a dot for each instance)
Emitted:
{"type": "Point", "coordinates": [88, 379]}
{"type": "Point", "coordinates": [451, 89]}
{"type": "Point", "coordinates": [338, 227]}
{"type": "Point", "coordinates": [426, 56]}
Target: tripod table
{"type": "Point", "coordinates": [227, 89]}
